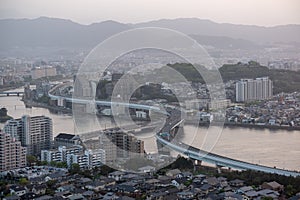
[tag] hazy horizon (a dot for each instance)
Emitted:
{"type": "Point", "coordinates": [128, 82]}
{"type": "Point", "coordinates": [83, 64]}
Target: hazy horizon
{"type": "Point", "coordinates": [128, 23]}
{"type": "Point", "coordinates": [247, 12]}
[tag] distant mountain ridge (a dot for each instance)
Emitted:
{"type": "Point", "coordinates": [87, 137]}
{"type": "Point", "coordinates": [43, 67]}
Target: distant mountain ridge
{"type": "Point", "coordinates": [258, 34]}
{"type": "Point", "coordinates": [54, 32]}
{"type": "Point", "coordinates": [65, 34]}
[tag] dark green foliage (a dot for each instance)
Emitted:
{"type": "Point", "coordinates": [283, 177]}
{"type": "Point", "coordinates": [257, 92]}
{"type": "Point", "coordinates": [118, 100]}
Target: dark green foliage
{"type": "Point", "coordinates": [105, 170]}
{"type": "Point", "coordinates": [181, 163]}
{"type": "Point", "coordinates": [189, 71]}
{"type": "Point", "coordinates": [75, 168]}
{"type": "Point", "coordinates": [283, 80]}
{"type": "Point", "coordinates": [266, 198]}
{"type": "Point", "coordinates": [23, 181]}
{"type": "Point", "coordinates": [58, 164]}
{"type": "Point", "coordinates": [3, 115]}
{"type": "Point", "coordinates": [292, 184]}
{"type": "Point", "coordinates": [43, 99]}
{"type": "Point", "coordinates": [51, 187]}
{"type": "Point", "coordinates": [31, 160]}
{"type": "Point", "coordinates": [3, 112]}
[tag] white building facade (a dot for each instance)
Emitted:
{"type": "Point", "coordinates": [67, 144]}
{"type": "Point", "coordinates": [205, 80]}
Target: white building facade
{"type": "Point", "coordinates": [253, 89]}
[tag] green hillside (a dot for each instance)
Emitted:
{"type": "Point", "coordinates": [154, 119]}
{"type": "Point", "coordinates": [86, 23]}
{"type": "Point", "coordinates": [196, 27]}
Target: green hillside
{"type": "Point", "coordinates": [283, 80]}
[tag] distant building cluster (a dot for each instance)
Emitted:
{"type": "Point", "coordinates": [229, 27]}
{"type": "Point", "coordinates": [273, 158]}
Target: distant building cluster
{"type": "Point", "coordinates": [41, 89]}
{"type": "Point", "coordinates": [117, 144]}
{"type": "Point", "coordinates": [292, 65]}
{"type": "Point", "coordinates": [111, 144]}
{"type": "Point", "coordinates": [68, 148]}
{"type": "Point", "coordinates": [43, 71]}
{"type": "Point", "coordinates": [253, 89]}
{"type": "Point", "coordinates": [199, 104]}
{"type": "Point", "coordinates": [281, 110]}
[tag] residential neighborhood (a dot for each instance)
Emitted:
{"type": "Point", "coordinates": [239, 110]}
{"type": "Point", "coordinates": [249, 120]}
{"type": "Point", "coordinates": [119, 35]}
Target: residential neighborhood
{"type": "Point", "coordinates": [46, 182]}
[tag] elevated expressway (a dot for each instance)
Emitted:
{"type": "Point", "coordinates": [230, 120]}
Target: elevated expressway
{"type": "Point", "coordinates": [90, 102]}
{"type": "Point", "coordinates": [192, 152]}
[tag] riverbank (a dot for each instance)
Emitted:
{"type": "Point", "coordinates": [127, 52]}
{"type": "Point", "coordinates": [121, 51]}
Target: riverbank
{"type": "Point", "coordinates": [265, 126]}
{"type": "Point", "coordinates": [6, 88]}
{"type": "Point", "coordinates": [244, 125]}
{"type": "Point", "coordinates": [55, 109]}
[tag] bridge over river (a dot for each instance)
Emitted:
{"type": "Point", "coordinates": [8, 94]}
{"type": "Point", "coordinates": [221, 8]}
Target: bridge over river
{"type": "Point", "coordinates": [11, 93]}
{"type": "Point", "coordinates": [198, 154]}
{"type": "Point", "coordinates": [192, 152]}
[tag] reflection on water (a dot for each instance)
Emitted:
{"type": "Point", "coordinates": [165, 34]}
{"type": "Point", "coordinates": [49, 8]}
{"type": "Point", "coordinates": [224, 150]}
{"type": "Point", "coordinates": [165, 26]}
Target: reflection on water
{"type": "Point", "coordinates": [61, 122]}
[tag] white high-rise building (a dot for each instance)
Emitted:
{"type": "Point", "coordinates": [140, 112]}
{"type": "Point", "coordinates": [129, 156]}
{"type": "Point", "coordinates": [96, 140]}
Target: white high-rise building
{"type": "Point", "coordinates": [240, 91]}
{"type": "Point", "coordinates": [13, 128]}
{"type": "Point", "coordinates": [35, 133]}
{"type": "Point", "coordinates": [254, 89]}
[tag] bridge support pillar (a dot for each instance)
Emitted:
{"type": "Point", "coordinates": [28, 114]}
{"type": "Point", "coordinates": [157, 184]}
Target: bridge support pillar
{"type": "Point", "coordinates": [198, 162]}
{"type": "Point", "coordinates": [219, 168]}
{"type": "Point", "coordinates": [90, 108]}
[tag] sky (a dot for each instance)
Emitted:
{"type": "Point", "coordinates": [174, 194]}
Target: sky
{"type": "Point", "coordinates": [250, 12]}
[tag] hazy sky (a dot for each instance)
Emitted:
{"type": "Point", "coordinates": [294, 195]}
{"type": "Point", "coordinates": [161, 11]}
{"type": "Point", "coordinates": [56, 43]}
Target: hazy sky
{"type": "Point", "coordinates": [257, 12]}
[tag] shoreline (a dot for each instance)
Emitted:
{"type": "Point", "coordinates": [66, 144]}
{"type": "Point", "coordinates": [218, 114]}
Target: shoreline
{"type": "Point", "coordinates": [255, 126]}
{"type": "Point", "coordinates": [50, 108]}
{"type": "Point", "coordinates": [192, 122]}
{"type": "Point", "coordinates": [250, 126]}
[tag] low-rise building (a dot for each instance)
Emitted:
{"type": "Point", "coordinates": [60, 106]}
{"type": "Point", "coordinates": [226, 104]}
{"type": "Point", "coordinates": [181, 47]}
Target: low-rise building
{"type": "Point", "coordinates": [65, 139]}
{"type": "Point", "coordinates": [60, 154]}
{"type": "Point", "coordinates": [88, 159]}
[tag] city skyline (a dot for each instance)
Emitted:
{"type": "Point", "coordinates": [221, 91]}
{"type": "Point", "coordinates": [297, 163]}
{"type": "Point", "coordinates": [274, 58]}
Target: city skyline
{"type": "Point", "coordinates": [262, 13]}
{"type": "Point", "coordinates": [149, 99]}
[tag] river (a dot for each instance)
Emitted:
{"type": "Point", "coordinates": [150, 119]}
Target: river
{"type": "Point", "coordinates": [280, 148]}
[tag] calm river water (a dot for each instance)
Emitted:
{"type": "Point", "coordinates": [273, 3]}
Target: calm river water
{"type": "Point", "coordinates": [280, 148]}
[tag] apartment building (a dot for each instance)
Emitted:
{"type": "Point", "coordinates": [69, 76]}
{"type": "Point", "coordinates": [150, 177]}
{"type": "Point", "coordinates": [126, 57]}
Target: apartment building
{"type": "Point", "coordinates": [253, 89]}
{"type": "Point", "coordinates": [35, 133]}
{"type": "Point", "coordinates": [12, 154]}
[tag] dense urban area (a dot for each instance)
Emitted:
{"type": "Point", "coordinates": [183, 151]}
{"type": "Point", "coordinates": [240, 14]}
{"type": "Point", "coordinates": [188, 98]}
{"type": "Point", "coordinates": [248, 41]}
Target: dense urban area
{"type": "Point", "coordinates": [64, 168]}
{"type": "Point", "coordinates": [258, 89]}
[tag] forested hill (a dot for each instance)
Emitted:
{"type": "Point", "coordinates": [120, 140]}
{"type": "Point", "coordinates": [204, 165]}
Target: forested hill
{"type": "Point", "coordinates": [283, 80]}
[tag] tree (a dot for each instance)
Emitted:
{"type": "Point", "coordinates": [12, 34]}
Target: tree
{"type": "Point", "coordinates": [3, 112]}
{"type": "Point", "coordinates": [61, 165]}
{"type": "Point", "coordinates": [53, 163]}
{"type": "Point", "coordinates": [267, 198]}
{"type": "Point", "coordinates": [105, 170]}
{"type": "Point", "coordinates": [51, 183]}
{"type": "Point", "coordinates": [290, 190]}
{"type": "Point", "coordinates": [75, 168]}
{"type": "Point", "coordinates": [23, 181]}
{"type": "Point", "coordinates": [43, 163]}
{"type": "Point", "coordinates": [31, 160]}
{"type": "Point", "coordinates": [44, 99]}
